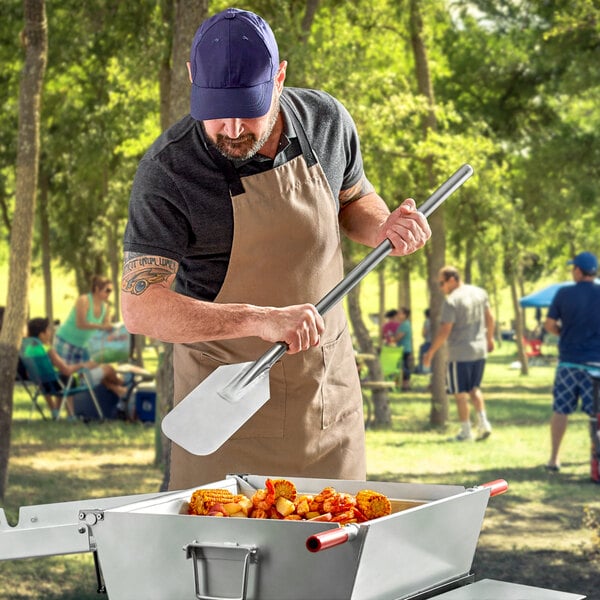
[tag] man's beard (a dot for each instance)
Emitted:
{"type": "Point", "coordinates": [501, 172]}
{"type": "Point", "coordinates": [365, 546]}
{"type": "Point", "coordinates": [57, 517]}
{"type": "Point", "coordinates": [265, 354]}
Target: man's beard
{"type": "Point", "coordinates": [246, 145]}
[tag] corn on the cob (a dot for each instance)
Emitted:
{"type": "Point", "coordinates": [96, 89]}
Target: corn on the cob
{"type": "Point", "coordinates": [203, 500]}
{"type": "Point", "coordinates": [282, 488]}
{"type": "Point", "coordinates": [373, 504]}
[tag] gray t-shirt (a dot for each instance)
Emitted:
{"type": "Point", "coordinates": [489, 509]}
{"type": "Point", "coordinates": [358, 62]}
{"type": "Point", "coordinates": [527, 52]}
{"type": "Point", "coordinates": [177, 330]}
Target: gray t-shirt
{"type": "Point", "coordinates": [465, 308]}
{"type": "Point", "coordinates": [180, 206]}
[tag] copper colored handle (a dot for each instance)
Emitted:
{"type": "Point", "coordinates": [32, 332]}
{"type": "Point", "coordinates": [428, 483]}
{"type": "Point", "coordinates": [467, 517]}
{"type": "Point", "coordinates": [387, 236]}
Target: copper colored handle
{"type": "Point", "coordinates": [331, 537]}
{"type": "Point", "coordinates": [497, 487]}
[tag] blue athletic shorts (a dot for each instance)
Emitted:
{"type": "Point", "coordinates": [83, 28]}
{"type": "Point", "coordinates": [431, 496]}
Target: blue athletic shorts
{"type": "Point", "coordinates": [464, 376]}
{"type": "Point", "coordinates": [570, 384]}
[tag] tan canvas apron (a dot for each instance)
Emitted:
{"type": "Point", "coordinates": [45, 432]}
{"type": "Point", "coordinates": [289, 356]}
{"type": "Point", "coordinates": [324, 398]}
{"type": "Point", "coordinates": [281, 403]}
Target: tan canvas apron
{"type": "Point", "coordinates": [286, 250]}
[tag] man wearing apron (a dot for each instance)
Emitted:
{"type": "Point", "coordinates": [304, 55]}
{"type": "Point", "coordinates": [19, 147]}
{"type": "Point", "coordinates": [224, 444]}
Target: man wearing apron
{"type": "Point", "coordinates": [234, 235]}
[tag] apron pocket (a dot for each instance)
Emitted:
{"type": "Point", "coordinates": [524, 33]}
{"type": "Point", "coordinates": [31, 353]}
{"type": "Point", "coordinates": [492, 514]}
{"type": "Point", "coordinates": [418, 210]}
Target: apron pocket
{"type": "Point", "coordinates": [190, 367]}
{"type": "Point", "coordinates": [340, 391]}
{"type": "Point", "coordinates": [268, 422]}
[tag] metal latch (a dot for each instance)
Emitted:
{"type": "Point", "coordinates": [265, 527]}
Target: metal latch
{"type": "Point", "coordinates": [88, 518]}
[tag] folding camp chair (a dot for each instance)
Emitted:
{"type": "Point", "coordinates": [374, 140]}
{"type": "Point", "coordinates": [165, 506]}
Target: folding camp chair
{"type": "Point", "coordinates": [533, 350]}
{"type": "Point", "coordinates": [22, 378]}
{"type": "Point", "coordinates": [390, 358]}
{"type": "Point", "coordinates": [41, 371]}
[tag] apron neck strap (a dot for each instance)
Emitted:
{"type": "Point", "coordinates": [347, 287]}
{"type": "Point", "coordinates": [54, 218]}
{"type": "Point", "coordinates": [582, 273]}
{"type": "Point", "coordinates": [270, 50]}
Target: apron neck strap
{"type": "Point", "coordinates": [228, 170]}
{"type": "Point", "coordinates": [307, 151]}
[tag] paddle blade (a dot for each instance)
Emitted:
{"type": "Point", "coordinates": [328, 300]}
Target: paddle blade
{"type": "Point", "coordinates": [203, 421]}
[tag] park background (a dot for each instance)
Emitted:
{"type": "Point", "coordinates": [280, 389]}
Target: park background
{"type": "Point", "coordinates": [510, 87]}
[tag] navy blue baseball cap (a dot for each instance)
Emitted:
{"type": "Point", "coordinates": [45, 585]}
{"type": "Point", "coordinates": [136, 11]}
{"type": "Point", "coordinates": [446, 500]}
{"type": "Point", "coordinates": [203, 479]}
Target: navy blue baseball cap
{"type": "Point", "coordinates": [233, 63]}
{"type": "Point", "coordinates": [586, 261]}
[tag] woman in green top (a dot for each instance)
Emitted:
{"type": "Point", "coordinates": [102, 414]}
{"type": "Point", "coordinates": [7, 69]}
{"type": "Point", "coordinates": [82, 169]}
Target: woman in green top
{"type": "Point", "coordinates": [89, 314]}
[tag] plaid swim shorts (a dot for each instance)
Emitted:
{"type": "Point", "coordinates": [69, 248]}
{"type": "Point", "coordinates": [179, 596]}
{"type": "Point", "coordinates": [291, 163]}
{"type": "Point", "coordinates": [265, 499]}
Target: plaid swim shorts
{"type": "Point", "coordinates": [570, 384]}
{"type": "Point", "coordinates": [69, 353]}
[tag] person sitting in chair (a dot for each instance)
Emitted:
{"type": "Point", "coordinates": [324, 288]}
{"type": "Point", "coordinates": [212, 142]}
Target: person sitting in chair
{"type": "Point", "coordinates": [42, 329]}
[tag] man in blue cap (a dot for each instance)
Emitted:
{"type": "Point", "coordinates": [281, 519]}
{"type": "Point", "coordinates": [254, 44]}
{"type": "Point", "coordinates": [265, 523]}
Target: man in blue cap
{"type": "Point", "coordinates": [574, 315]}
{"type": "Point", "coordinates": [234, 235]}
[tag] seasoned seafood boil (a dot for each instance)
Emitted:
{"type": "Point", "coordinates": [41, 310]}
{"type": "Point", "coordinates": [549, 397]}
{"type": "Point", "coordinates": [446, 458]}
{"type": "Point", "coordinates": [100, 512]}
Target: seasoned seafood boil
{"type": "Point", "coordinates": [280, 500]}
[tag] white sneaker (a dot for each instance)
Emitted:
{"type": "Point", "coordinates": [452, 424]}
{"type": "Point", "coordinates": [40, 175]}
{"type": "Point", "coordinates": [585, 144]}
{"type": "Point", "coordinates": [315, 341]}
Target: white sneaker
{"type": "Point", "coordinates": [484, 431]}
{"type": "Point", "coordinates": [461, 436]}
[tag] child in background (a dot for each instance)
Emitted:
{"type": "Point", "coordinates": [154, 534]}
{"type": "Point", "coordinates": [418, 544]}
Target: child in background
{"type": "Point", "coordinates": [388, 331]}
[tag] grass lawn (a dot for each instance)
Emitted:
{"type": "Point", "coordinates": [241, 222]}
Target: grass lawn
{"type": "Point", "coordinates": [535, 534]}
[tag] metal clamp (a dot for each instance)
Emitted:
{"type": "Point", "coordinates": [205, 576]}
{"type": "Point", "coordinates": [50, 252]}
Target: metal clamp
{"type": "Point", "coordinates": [88, 518]}
{"type": "Point", "coordinates": [198, 552]}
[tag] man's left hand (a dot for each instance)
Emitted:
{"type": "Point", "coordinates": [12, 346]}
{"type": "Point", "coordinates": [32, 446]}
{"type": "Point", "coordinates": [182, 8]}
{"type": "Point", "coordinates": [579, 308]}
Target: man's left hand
{"type": "Point", "coordinates": [406, 228]}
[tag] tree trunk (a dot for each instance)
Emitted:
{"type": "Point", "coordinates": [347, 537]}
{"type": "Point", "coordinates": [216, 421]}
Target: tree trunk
{"type": "Point", "coordinates": [435, 261]}
{"type": "Point", "coordinates": [382, 302]}
{"type": "Point", "coordinates": [112, 244]}
{"type": "Point", "coordinates": [188, 14]}
{"type": "Point", "coordinates": [519, 327]}
{"type": "Point", "coordinates": [380, 398]}
{"type": "Point", "coordinates": [404, 295]}
{"type": "Point", "coordinates": [436, 249]}
{"type": "Point", "coordinates": [468, 266]}
{"type": "Point", "coordinates": [381, 403]}
{"type": "Point", "coordinates": [186, 17]}
{"type": "Point", "coordinates": [45, 243]}
{"type": "Point", "coordinates": [35, 41]}
{"type": "Point", "coordinates": [164, 74]}
{"type": "Point", "coordinates": [114, 260]}
{"type": "Point", "coordinates": [308, 18]}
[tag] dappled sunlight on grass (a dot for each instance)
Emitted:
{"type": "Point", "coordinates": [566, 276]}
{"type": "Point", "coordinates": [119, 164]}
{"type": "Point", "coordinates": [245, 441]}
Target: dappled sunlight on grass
{"type": "Point", "coordinates": [533, 534]}
{"type": "Point", "coordinates": [50, 578]}
{"type": "Point", "coordinates": [59, 462]}
{"type": "Point", "coordinates": [540, 518]}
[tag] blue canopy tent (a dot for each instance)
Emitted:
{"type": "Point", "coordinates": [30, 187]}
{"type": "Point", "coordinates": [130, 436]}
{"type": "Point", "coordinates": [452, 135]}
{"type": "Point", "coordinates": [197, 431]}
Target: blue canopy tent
{"type": "Point", "coordinates": [542, 298]}
{"type": "Point", "coordinates": [538, 300]}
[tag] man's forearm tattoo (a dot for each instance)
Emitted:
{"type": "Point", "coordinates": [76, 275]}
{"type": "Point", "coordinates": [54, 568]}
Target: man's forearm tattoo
{"type": "Point", "coordinates": [140, 271]}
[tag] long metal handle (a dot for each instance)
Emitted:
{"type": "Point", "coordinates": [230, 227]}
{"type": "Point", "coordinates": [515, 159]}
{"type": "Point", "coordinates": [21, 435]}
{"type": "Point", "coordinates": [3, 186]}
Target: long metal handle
{"type": "Point", "coordinates": [378, 254]}
{"type": "Point", "coordinates": [231, 392]}
{"type": "Point", "coordinates": [367, 264]}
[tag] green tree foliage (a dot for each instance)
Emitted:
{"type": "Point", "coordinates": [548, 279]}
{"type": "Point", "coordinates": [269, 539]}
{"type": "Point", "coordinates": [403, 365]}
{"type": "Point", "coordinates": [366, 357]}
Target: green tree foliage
{"type": "Point", "coordinates": [100, 113]}
{"type": "Point", "coordinates": [515, 84]}
{"type": "Point", "coordinates": [528, 71]}
{"type": "Point", "coordinates": [11, 59]}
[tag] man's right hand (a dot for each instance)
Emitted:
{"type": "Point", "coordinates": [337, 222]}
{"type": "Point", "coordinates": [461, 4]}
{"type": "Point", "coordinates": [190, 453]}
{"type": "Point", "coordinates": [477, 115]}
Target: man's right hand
{"type": "Point", "coordinates": [299, 326]}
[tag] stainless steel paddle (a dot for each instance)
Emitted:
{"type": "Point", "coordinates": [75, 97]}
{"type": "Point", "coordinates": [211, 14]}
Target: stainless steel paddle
{"type": "Point", "coordinates": [214, 410]}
